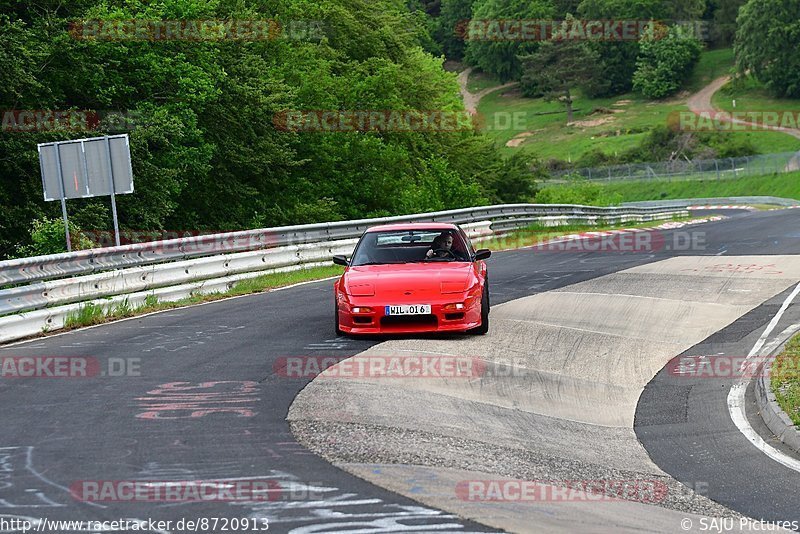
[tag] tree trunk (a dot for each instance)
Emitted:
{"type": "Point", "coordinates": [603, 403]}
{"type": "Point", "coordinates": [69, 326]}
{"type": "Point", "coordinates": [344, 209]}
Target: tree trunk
{"type": "Point", "coordinates": [568, 102]}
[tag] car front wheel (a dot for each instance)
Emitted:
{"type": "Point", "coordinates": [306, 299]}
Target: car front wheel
{"type": "Point", "coordinates": [484, 327]}
{"type": "Point", "coordinates": [336, 319]}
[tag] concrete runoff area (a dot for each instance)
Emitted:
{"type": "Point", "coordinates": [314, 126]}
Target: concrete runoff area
{"type": "Point", "coordinates": [556, 400]}
{"type": "Point", "coordinates": [577, 515]}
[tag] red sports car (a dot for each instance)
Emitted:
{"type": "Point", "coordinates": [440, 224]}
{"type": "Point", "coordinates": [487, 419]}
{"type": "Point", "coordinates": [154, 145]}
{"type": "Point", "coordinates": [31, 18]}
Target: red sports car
{"type": "Point", "coordinates": [413, 277]}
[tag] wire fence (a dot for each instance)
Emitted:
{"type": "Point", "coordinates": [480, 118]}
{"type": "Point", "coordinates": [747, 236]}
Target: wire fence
{"type": "Point", "coordinates": [701, 169]}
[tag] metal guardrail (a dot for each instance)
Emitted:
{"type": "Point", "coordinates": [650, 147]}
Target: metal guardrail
{"type": "Point", "coordinates": [27, 270]}
{"type": "Point", "coordinates": [725, 201]}
{"type": "Point", "coordinates": [125, 276]}
{"type": "Point", "coordinates": [705, 169]}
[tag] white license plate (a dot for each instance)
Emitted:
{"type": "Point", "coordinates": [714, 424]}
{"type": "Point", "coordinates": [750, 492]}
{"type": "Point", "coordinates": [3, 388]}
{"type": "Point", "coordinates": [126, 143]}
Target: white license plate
{"type": "Point", "coordinates": [409, 309]}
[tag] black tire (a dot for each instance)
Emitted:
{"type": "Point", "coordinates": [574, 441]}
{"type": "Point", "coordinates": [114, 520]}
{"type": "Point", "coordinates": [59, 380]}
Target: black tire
{"type": "Point", "coordinates": [484, 327]}
{"type": "Point", "coordinates": [336, 319]}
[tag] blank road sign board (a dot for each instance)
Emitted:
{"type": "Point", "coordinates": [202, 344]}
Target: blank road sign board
{"type": "Point", "coordinates": [85, 167]}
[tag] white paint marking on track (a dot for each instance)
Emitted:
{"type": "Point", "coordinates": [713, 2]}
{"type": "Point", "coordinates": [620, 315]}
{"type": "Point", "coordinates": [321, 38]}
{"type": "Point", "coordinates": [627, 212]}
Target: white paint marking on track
{"type": "Point", "coordinates": [736, 406]}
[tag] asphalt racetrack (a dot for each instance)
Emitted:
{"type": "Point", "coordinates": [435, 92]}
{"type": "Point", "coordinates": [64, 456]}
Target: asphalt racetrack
{"type": "Point", "coordinates": [199, 394]}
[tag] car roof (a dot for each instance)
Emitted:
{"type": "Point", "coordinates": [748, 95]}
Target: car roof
{"type": "Point", "coordinates": [413, 226]}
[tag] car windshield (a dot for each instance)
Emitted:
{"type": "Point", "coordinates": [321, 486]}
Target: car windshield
{"type": "Point", "coordinates": [410, 246]}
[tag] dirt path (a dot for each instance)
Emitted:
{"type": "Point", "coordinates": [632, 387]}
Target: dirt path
{"type": "Point", "coordinates": [700, 102]}
{"type": "Point", "coordinates": [471, 100]}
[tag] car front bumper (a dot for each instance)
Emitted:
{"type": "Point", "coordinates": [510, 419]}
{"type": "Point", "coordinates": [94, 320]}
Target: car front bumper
{"type": "Point", "coordinates": [376, 321]}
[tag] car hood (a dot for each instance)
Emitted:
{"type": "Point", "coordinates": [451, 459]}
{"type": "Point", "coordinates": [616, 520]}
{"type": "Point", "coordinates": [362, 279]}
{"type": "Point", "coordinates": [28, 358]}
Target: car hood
{"type": "Point", "coordinates": [416, 278]}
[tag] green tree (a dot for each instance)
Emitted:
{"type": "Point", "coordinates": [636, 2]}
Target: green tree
{"type": "Point", "coordinates": [495, 50]}
{"type": "Point", "coordinates": [564, 7]}
{"type": "Point", "coordinates": [207, 154]}
{"type": "Point", "coordinates": [453, 20]}
{"type": "Point", "coordinates": [617, 57]}
{"type": "Point", "coordinates": [684, 10]}
{"type": "Point", "coordinates": [514, 180]}
{"type": "Point", "coordinates": [722, 15]}
{"type": "Point", "coordinates": [664, 64]}
{"type": "Point", "coordinates": [559, 67]}
{"type": "Point", "coordinates": [767, 39]}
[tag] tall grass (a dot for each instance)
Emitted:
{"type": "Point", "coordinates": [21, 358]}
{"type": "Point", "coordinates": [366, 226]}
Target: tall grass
{"type": "Point", "coordinates": [785, 185]}
{"type": "Point", "coordinates": [785, 379]}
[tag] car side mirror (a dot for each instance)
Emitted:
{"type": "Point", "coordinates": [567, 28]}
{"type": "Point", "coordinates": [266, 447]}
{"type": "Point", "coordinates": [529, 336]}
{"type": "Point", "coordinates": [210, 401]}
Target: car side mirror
{"type": "Point", "coordinates": [482, 254]}
{"type": "Point", "coordinates": [341, 260]}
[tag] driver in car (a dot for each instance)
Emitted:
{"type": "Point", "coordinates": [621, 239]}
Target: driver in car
{"type": "Point", "coordinates": [441, 247]}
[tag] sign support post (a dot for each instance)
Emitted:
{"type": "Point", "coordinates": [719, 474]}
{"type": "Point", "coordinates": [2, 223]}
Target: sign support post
{"type": "Point", "coordinates": [63, 198]}
{"type": "Point", "coordinates": [113, 195]}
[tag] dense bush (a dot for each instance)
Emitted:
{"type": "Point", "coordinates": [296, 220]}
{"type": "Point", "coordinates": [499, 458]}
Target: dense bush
{"type": "Point", "coordinates": [663, 143]}
{"type": "Point", "coordinates": [767, 38]}
{"type": "Point", "coordinates": [665, 63]}
{"type": "Point", "coordinates": [48, 237]}
{"type": "Point", "coordinates": [578, 192]}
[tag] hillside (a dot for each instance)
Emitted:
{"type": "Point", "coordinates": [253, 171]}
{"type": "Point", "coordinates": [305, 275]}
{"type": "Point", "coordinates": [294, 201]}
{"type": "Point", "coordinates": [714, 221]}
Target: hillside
{"type": "Point", "coordinates": [537, 128]}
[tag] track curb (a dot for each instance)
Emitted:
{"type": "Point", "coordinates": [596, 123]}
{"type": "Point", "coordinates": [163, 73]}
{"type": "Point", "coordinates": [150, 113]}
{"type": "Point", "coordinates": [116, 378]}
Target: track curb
{"type": "Point", "coordinates": [773, 415]}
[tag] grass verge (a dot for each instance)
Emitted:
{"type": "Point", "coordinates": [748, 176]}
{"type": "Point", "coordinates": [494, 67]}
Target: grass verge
{"type": "Point", "coordinates": [785, 379]}
{"type": "Point", "coordinates": [478, 81]}
{"type": "Point", "coordinates": [751, 95]}
{"type": "Point", "coordinates": [539, 128]}
{"type": "Point", "coordinates": [779, 185]}
{"type": "Point", "coordinates": [712, 65]}
{"type": "Point", "coordinates": [92, 314]}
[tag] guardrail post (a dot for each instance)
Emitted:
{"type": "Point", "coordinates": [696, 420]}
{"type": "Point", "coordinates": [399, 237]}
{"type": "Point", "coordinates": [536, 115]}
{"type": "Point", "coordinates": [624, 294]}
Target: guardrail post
{"type": "Point", "coordinates": [716, 167]}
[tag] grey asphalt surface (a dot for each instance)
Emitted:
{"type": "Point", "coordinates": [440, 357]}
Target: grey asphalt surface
{"type": "Point", "coordinates": [684, 422]}
{"type": "Point", "coordinates": [228, 421]}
